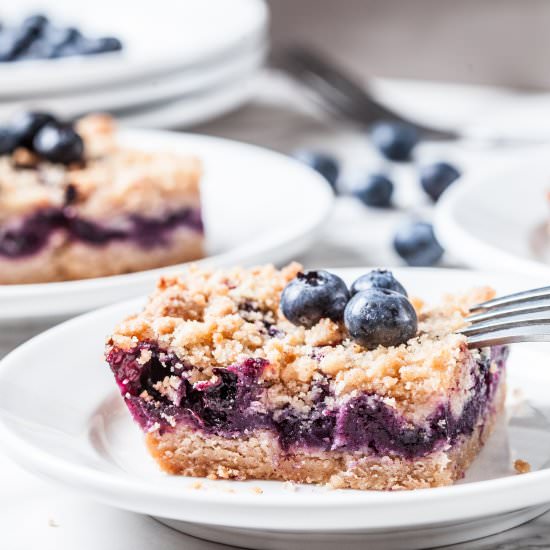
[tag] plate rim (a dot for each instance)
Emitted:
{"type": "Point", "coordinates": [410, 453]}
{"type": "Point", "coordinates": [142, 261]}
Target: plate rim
{"type": "Point", "coordinates": [135, 95]}
{"type": "Point", "coordinates": [104, 485]}
{"type": "Point", "coordinates": [457, 238]}
{"type": "Point", "coordinates": [174, 114]}
{"type": "Point", "coordinates": [117, 67]}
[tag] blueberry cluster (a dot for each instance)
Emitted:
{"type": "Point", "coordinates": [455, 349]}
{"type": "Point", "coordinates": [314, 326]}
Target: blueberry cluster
{"type": "Point", "coordinates": [44, 135]}
{"type": "Point", "coordinates": [375, 311]}
{"type": "Point", "coordinates": [415, 241]}
{"type": "Point", "coordinates": [37, 38]}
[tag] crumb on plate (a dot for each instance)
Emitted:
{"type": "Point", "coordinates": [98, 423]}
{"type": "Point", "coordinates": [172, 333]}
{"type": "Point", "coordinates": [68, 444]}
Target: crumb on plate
{"type": "Point", "coordinates": [522, 466]}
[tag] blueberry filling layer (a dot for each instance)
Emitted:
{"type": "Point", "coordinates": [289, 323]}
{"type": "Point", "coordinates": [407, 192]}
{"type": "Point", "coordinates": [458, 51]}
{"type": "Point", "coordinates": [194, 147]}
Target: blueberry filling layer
{"type": "Point", "coordinates": [232, 405]}
{"type": "Point", "coordinates": [33, 233]}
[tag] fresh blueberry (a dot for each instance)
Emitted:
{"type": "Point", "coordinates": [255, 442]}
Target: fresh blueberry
{"type": "Point", "coordinates": [376, 190]}
{"type": "Point", "coordinates": [110, 44]}
{"type": "Point", "coordinates": [380, 317]}
{"type": "Point", "coordinates": [69, 49]}
{"type": "Point", "coordinates": [415, 242]}
{"type": "Point", "coordinates": [36, 23]}
{"type": "Point", "coordinates": [60, 37]}
{"type": "Point", "coordinates": [54, 42]}
{"type": "Point", "coordinates": [377, 278]}
{"type": "Point", "coordinates": [323, 163]}
{"type": "Point", "coordinates": [312, 296]}
{"type": "Point", "coordinates": [435, 178]}
{"type": "Point", "coordinates": [26, 35]}
{"type": "Point", "coordinates": [98, 45]}
{"type": "Point", "coordinates": [39, 49]}
{"type": "Point", "coordinates": [395, 140]}
{"type": "Point", "coordinates": [25, 126]}
{"type": "Point", "coordinates": [59, 143]}
{"type": "Point", "coordinates": [71, 194]}
{"type": "Point", "coordinates": [8, 140]}
{"type": "Point", "coordinates": [8, 44]}
{"type": "Point", "coordinates": [15, 42]}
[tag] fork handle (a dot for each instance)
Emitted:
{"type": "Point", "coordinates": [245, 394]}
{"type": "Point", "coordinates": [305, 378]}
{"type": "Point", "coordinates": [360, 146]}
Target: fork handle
{"type": "Point", "coordinates": [342, 93]}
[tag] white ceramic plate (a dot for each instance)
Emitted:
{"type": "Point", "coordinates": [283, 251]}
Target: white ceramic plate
{"type": "Point", "coordinates": [253, 206]}
{"type": "Point", "coordinates": [477, 112]}
{"type": "Point", "coordinates": [158, 37]}
{"type": "Point", "coordinates": [195, 108]}
{"type": "Point", "coordinates": [148, 92]}
{"type": "Point", "coordinates": [61, 417]}
{"type": "Point", "coordinates": [495, 217]}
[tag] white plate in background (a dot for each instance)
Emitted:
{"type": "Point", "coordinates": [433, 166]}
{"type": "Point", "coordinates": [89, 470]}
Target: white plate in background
{"type": "Point", "coordinates": [495, 217]}
{"type": "Point", "coordinates": [253, 207]}
{"type": "Point", "coordinates": [478, 112]}
{"type": "Point", "coordinates": [71, 426]}
{"type": "Point", "coordinates": [193, 109]}
{"type": "Point", "coordinates": [150, 92]}
{"type": "Point", "coordinates": [158, 37]}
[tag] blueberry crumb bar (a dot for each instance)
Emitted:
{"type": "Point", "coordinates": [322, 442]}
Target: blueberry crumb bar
{"type": "Point", "coordinates": [75, 204]}
{"type": "Point", "coordinates": [284, 375]}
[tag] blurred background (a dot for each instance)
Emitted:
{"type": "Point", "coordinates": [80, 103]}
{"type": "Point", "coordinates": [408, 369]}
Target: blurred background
{"type": "Point", "coordinates": [393, 102]}
{"type": "Point", "coordinates": [478, 41]}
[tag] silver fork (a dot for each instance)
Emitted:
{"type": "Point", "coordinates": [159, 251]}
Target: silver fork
{"type": "Point", "coordinates": [520, 317]}
{"type": "Point", "coordinates": [340, 93]}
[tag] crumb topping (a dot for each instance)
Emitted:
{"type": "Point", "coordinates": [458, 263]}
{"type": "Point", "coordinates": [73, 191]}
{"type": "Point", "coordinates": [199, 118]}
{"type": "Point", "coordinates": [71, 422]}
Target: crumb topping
{"type": "Point", "coordinates": [218, 318]}
{"type": "Point", "coordinates": [522, 466]}
{"type": "Point", "coordinates": [114, 180]}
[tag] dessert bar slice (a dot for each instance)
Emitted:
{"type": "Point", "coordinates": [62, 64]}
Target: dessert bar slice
{"type": "Point", "coordinates": [224, 385]}
{"type": "Point", "coordinates": [74, 204]}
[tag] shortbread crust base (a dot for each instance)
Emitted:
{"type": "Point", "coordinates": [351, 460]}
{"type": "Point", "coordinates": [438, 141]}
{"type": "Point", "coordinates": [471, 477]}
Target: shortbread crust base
{"type": "Point", "coordinates": [188, 452]}
{"type": "Point", "coordinates": [62, 261]}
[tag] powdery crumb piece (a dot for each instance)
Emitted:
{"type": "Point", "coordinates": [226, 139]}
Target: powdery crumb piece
{"type": "Point", "coordinates": [197, 485]}
{"type": "Point", "coordinates": [257, 490]}
{"type": "Point", "coordinates": [145, 356]}
{"type": "Point", "coordinates": [522, 466]}
{"type": "Point", "coordinates": [222, 472]}
{"type": "Point", "coordinates": [290, 486]}
{"type": "Point", "coordinates": [52, 523]}
{"type": "Point", "coordinates": [324, 333]}
{"type": "Point", "coordinates": [154, 427]}
{"type": "Point", "coordinates": [170, 419]}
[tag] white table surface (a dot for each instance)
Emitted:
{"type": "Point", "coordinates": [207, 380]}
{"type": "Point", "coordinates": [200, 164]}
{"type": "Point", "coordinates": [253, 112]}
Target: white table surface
{"type": "Point", "coordinates": [34, 514]}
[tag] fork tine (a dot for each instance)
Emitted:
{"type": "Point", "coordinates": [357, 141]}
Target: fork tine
{"type": "Point", "coordinates": [519, 317]}
{"type": "Point", "coordinates": [511, 336]}
{"type": "Point", "coordinates": [518, 297]}
{"type": "Point", "coordinates": [503, 324]}
{"type": "Point", "coordinates": [510, 310]}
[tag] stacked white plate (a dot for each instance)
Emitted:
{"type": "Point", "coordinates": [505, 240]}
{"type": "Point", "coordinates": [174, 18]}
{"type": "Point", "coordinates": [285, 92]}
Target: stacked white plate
{"type": "Point", "coordinates": [182, 62]}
